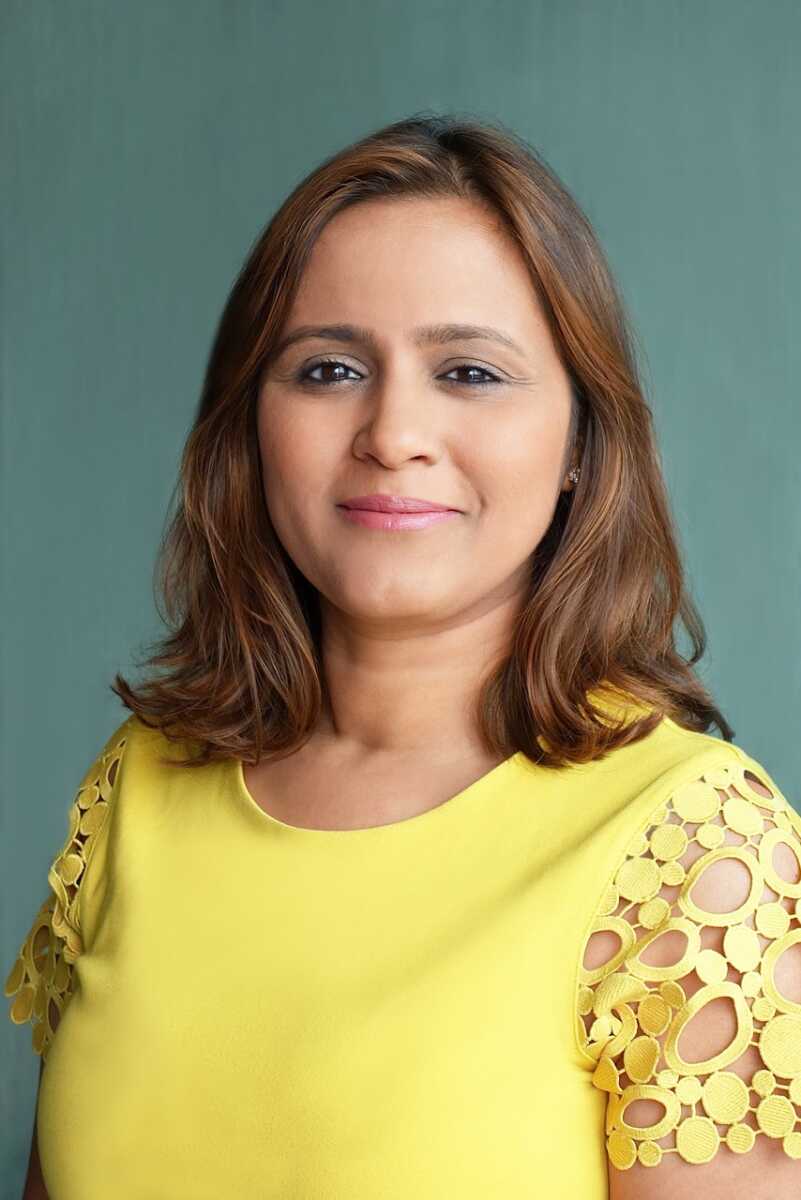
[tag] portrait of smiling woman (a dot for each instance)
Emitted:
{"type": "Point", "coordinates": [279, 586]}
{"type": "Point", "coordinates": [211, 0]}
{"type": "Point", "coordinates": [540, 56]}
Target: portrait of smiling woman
{"type": "Point", "coordinates": [424, 864]}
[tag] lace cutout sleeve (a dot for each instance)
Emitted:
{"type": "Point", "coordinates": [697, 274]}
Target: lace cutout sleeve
{"type": "Point", "coordinates": [41, 979]}
{"type": "Point", "coordinates": [689, 989]}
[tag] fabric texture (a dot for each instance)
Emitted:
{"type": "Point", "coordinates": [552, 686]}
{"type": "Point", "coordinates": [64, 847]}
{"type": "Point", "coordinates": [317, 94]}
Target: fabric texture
{"type": "Point", "coordinates": [228, 1004]}
{"type": "Point", "coordinates": [41, 980]}
{"type": "Point", "coordinates": [634, 1011]}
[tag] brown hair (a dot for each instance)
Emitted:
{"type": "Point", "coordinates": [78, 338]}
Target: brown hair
{"type": "Point", "coordinates": [242, 666]}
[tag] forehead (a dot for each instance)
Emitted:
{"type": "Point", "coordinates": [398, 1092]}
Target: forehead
{"type": "Point", "coordinates": [407, 261]}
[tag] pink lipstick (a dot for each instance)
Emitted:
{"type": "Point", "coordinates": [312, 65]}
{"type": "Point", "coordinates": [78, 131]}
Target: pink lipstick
{"type": "Point", "coordinates": [395, 512]}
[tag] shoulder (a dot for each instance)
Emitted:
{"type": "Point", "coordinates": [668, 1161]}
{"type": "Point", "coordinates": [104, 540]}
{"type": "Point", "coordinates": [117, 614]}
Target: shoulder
{"type": "Point", "coordinates": [96, 796]}
{"type": "Point", "coordinates": [105, 762]}
{"type": "Point", "coordinates": [41, 979]}
{"type": "Point", "coordinates": [688, 1000]}
{"type": "Point", "coordinates": [625, 791]}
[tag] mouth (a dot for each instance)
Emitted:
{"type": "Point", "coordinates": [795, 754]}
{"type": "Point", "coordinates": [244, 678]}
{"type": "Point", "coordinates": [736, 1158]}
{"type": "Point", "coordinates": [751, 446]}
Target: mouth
{"type": "Point", "coordinates": [380, 502]}
{"type": "Point", "coordinates": [371, 518]}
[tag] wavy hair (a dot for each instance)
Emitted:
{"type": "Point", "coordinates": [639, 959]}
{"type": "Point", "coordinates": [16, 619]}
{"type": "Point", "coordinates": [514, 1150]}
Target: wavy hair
{"type": "Point", "coordinates": [239, 672]}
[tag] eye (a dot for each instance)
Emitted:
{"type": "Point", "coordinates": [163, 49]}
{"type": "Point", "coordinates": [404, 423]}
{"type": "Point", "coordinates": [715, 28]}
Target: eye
{"type": "Point", "coordinates": [306, 376]}
{"type": "Point", "coordinates": [489, 379]}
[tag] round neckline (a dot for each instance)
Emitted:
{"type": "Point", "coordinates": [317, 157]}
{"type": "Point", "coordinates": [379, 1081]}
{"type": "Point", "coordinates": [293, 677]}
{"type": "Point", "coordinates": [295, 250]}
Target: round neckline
{"type": "Point", "coordinates": [431, 815]}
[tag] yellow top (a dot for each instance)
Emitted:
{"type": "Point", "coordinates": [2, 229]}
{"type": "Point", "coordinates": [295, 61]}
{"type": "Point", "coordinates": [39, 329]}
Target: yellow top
{"type": "Point", "coordinates": [249, 1008]}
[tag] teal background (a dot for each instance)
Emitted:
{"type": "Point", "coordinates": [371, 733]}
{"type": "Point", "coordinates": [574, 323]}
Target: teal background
{"type": "Point", "coordinates": [147, 144]}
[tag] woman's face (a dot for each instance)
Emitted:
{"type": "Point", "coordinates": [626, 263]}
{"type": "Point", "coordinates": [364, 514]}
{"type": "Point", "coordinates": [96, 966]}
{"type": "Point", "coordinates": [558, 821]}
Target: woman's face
{"type": "Point", "coordinates": [417, 410]}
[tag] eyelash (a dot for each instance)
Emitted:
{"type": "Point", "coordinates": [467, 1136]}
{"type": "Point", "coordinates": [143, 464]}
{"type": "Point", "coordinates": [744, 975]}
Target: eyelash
{"type": "Point", "coordinates": [304, 376]}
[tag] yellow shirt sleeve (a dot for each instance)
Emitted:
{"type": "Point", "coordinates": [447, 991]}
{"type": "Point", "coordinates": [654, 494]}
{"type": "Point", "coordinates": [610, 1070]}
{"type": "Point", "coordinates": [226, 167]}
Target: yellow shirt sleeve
{"type": "Point", "coordinates": [40, 982]}
{"type": "Point", "coordinates": [704, 903]}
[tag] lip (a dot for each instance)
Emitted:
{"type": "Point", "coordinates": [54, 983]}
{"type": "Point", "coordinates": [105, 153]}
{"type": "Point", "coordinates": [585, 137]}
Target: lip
{"type": "Point", "coordinates": [376, 519]}
{"type": "Point", "coordinates": [378, 502]}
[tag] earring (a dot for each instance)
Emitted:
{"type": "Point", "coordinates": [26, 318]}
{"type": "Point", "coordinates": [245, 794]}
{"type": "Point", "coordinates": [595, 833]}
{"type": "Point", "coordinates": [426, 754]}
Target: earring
{"type": "Point", "coordinates": [574, 474]}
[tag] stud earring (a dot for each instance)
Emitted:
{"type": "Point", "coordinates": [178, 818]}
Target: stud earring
{"type": "Point", "coordinates": [574, 474]}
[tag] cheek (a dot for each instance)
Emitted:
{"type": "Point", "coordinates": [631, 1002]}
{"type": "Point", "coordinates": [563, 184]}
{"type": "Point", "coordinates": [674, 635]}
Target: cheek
{"type": "Point", "coordinates": [519, 469]}
{"type": "Point", "coordinates": [518, 493]}
{"type": "Point", "coordinates": [297, 462]}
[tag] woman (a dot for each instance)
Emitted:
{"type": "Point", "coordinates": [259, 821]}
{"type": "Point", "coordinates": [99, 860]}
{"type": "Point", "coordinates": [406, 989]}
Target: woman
{"type": "Point", "coordinates": [410, 871]}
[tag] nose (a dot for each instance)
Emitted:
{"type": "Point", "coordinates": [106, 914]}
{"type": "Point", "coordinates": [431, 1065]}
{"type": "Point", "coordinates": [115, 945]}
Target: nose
{"type": "Point", "coordinates": [398, 420]}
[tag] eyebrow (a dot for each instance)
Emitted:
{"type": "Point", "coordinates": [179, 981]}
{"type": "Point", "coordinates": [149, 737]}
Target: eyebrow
{"type": "Point", "coordinates": [423, 335]}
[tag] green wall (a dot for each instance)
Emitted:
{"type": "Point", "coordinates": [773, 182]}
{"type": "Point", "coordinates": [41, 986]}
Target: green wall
{"type": "Point", "coordinates": [147, 144]}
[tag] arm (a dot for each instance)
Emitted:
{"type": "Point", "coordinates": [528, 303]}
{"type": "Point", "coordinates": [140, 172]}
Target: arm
{"type": "Point", "coordinates": [764, 1172]}
{"type": "Point", "coordinates": [691, 996]}
{"type": "Point", "coordinates": [34, 1184]}
{"type": "Point", "coordinates": [41, 979]}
